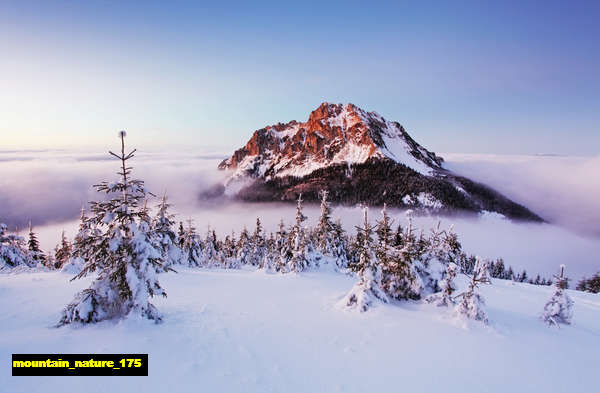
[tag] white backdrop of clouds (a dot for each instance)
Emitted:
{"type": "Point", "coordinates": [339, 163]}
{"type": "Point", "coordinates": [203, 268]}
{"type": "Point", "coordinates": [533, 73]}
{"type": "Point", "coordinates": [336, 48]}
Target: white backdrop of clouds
{"type": "Point", "coordinates": [563, 190]}
{"type": "Point", "coordinates": [49, 188]}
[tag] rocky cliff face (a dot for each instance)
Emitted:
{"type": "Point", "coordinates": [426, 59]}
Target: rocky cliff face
{"type": "Point", "coordinates": [358, 156]}
{"type": "Point", "coordinates": [333, 134]}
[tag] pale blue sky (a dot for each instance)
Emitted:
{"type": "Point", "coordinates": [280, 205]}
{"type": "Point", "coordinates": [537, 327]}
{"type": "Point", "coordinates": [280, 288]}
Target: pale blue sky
{"type": "Point", "coordinates": [460, 76]}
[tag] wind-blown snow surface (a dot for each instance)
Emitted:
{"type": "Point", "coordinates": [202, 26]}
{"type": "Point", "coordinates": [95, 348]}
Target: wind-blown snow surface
{"type": "Point", "coordinates": [246, 331]}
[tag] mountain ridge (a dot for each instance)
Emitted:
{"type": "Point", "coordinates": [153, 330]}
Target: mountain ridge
{"type": "Point", "coordinates": [359, 157]}
{"type": "Point", "coordinates": [333, 133]}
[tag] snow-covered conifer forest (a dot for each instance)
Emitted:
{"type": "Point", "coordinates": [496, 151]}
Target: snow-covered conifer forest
{"type": "Point", "coordinates": [308, 305]}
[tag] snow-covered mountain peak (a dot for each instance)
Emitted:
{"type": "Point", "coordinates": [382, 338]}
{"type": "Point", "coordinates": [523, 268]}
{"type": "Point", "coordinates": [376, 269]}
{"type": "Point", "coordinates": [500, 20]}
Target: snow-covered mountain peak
{"type": "Point", "coordinates": [333, 134]}
{"type": "Point", "coordinates": [359, 157]}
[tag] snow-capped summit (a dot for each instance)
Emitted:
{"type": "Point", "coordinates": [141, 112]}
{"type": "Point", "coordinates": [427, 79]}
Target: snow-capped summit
{"type": "Point", "coordinates": [333, 134]}
{"type": "Point", "coordinates": [359, 157]}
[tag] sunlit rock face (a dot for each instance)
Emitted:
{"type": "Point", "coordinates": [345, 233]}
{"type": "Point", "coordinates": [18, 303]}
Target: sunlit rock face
{"type": "Point", "coordinates": [358, 156]}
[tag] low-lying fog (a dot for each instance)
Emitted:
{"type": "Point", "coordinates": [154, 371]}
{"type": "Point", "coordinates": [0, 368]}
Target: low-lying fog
{"type": "Point", "coordinates": [49, 188]}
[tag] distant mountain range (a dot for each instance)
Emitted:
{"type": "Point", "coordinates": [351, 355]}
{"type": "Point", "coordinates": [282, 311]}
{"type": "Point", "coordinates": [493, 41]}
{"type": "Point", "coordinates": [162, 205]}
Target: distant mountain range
{"type": "Point", "coordinates": [359, 157]}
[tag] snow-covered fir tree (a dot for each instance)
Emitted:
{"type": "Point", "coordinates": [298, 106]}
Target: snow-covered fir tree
{"type": "Point", "coordinates": [220, 257]}
{"type": "Point", "coordinates": [522, 277]}
{"type": "Point", "coordinates": [211, 252]}
{"type": "Point", "coordinates": [448, 287]}
{"type": "Point", "coordinates": [282, 248]}
{"type": "Point", "coordinates": [482, 270]}
{"type": "Point", "coordinates": [244, 248]}
{"type": "Point", "coordinates": [498, 269]}
{"type": "Point", "coordinates": [400, 276]}
{"type": "Point", "coordinates": [399, 236]}
{"type": "Point", "coordinates": [591, 284]}
{"type": "Point", "coordinates": [12, 252]}
{"type": "Point", "coordinates": [192, 246]}
{"type": "Point", "coordinates": [286, 254]}
{"type": "Point", "coordinates": [324, 232]}
{"type": "Point", "coordinates": [559, 309]}
{"type": "Point", "coordinates": [301, 248]}
{"type": "Point", "coordinates": [270, 241]}
{"type": "Point", "coordinates": [384, 236]}
{"type": "Point", "coordinates": [228, 246]}
{"type": "Point", "coordinates": [355, 244]}
{"type": "Point", "coordinates": [368, 288]}
{"type": "Point", "coordinates": [452, 248]}
{"type": "Point", "coordinates": [472, 304]}
{"type": "Point", "coordinates": [467, 264]}
{"type": "Point", "coordinates": [34, 253]}
{"type": "Point", "coordinates": [230, 252]}
{"type": "Point", "coordinates": [258, 244]}
{"type": "Point", "coordinates": [510, 274]}
{"type": "Point", "coordinates": [422, 246]}
{"type": "Point", "coordinates": [384, 243]}
{"type": "Point", "coordinates": [434, 253]}
{"type": "Point", "coordinates": [181, 236]}
{"type": "Point", "coordinates": [235, 262]}
{"type": "Point", "coordinates": [436, 242]}
{"type": "Point", "coordinates": [444, 246]}
{"type": "Point", "coordinates": [166, 239]}
{"type": "Point", "coordinates": [50, 261]}
{"type": "Point", "coordinates": [81, 245]}
{"type": "Point", "coordinates": [122, 253]}
{"type": "Point", "coordinates": [273, 252]}
{"type": "Point", "coordinates": [62, 252]}
{"type": "Point", "coordinates": [339, 247]}
{"type": "Point", "coordinates": [280, 236]}
{"type": "Point", "coordinates": [270, 256]}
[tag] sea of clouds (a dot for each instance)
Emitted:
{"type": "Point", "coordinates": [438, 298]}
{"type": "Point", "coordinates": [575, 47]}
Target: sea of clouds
{"type": "Point", "coordinates": [49, 188]}
{"type": "Point", "coordinates": [564, 190]}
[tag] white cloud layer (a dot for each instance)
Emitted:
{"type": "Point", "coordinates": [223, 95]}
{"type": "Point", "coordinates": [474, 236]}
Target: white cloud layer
{"type": "Point", "coordinates": [563, 190]}
{"type": "Point", "coordinates": [50, 187]}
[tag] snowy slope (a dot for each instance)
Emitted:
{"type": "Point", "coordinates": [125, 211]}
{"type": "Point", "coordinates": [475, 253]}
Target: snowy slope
{"type": "Point", "coordinates": [246, 331]}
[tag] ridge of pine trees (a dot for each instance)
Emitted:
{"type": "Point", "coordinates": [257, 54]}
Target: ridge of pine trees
{"type": "Point", "coordinates": [294, 248]}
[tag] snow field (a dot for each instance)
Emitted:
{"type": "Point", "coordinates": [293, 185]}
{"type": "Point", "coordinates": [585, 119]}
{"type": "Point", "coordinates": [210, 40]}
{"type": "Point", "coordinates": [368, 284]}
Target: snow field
{"type": "Point", "coordinates": [248, 331]}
